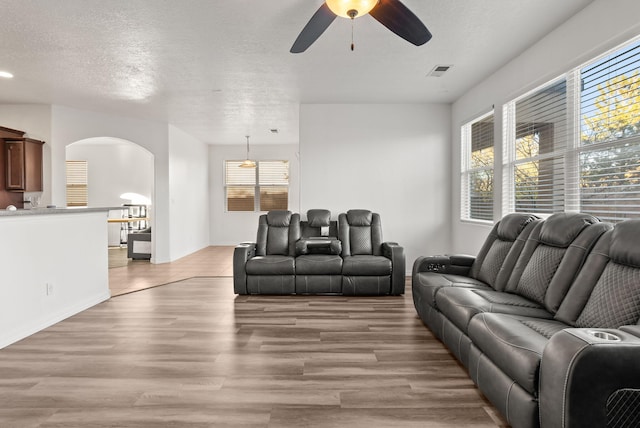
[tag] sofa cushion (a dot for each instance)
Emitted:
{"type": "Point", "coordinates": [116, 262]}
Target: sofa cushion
{"type": "Point", "coordinates": [561, 229]}
{"type": "Point", "coordinates": [279, 218]}
{"type": "Point", "coordinates": [359, 217]}
{"type": "Point", "coordinates": [319, 218]}
{"type": "Point", "coordinates": [318, 264]}
{"type": "Point", "coordinates": [366, 265]}
{"type": "Point", "coordinates": [270, 265]}
{"type": "Point", "coordinates": [539, 272]}
{"type": "Point", "coordinates": [624, 247]}
{"type": "Point", "coordinates": [500, 251]}
{"type": "Point", "coordinates": [514, 344]}
{"type": "Point", "coordinates": [459, 305]}
{"type": "Point", "coordinates": [512, 225]}
{"type": "Point", "coordinates": [546, 269]}
{"type": "Point", "coordinates": [427, 284]}
{"type": "Point", "coordinates": [615, 300]}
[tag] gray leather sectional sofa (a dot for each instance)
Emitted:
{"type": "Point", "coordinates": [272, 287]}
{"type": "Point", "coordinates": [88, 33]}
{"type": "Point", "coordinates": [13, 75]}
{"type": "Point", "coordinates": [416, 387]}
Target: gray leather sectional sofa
{"type": "Point", "coordinates": [545, 318]}
{"type": "Point", "coordinates": [319, 256]}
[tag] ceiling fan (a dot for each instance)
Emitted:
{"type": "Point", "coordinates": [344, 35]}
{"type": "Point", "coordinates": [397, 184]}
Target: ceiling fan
{"type": "Point", "coordinates": [391, 13]}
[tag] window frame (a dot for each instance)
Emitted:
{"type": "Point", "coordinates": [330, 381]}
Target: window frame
{"type": "Point", "coordinates": [257, 186]}
{"type": "Point", "coordinates": [578, 111]}
{"type": "Point", "coordinates": [467, 169]}
{"type": "Point", "coordinates": [510, 159]}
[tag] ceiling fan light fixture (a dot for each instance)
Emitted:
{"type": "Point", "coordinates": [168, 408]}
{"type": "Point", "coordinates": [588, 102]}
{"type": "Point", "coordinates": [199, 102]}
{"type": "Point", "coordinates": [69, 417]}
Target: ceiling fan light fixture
{"type": "Point", "coordinates": [346, 8]}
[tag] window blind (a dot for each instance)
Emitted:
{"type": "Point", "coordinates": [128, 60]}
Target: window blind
{"type": "Point", "coordinates": [609, 158]}
{"type": "Point", "coordinates": [240, 187]}
{"type": "Point", "coordinates": [477, 169]}
{"type": "Point", "coordinates": [537, 142]}
{"type": "Point", "coordinates": [77, 183]}
{"type": "Point", "coordinates": [263, 188]}
{"type": "Point", "coordinates": [274, 185]}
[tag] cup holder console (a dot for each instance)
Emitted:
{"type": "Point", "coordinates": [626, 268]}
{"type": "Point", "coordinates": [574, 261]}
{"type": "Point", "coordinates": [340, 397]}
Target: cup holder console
{"type": "Point", "coordinates": [603, 335]}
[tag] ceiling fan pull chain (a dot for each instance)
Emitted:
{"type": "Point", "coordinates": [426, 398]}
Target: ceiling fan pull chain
{"type": "Point", "coordinates": [352, 34]}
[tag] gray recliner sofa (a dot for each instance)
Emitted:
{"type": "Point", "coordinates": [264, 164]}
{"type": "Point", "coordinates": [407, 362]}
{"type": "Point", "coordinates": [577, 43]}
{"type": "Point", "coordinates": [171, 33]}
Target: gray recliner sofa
{"type": "Point", "coordinates": [558, 346]}
{"type": "Point", "coordinates": [319, 256]}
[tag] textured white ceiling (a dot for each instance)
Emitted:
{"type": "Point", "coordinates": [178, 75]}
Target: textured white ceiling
{"type": "Point", "coordinates": [221, 69]}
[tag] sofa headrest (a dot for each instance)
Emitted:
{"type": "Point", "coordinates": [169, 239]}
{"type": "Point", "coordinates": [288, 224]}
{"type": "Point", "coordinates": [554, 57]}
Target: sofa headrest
{"type": "Point", "coordinates": [512, 224]}
{"type": "Point", "coordinates": [624, 243]}
{"type": "Point", "coordinates": [560, 229]}
{"type": "Point", "coordinates": [279, 218]}
{"type": "Point", "coordinates": [319, 218]}
{"type": "Point", "coordinates": [359, 217]}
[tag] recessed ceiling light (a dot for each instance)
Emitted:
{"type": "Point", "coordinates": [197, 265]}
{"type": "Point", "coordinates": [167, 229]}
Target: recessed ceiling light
{"type": "Point", "coordinates": [274, 130]}
{"type": "Point", "coordinates": [6, 74]}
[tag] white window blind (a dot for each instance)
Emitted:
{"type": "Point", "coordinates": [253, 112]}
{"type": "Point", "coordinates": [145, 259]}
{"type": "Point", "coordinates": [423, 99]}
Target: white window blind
{"type": "Point", "coordinates": [536, 143]}
{"type": "Point", "coordinates": [609, 158]}
{"type": "Point", "coordinates": [274, 185]}
{"type": "Point", "coordinates": [477, 169]}
{"type": "Point", "coordinates": [263, 188]}
{"type": "Point", "coordinates": [240, 187]}
{"type": "Point", "coordinates": [77, 184]}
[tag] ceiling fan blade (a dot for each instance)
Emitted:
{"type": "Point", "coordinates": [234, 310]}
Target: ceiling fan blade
{"type": "Point", "coordinates": [314, 29]}
{"type": "Point", "coordinates": [398, 18]}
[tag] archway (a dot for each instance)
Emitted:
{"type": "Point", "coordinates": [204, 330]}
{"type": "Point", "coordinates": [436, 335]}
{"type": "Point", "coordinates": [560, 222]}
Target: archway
{"type": "Point", "coordinates": [119, 172]}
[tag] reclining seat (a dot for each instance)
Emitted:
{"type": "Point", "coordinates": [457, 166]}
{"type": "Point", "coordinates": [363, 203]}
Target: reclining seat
{"type": "Point", "coordinates": [550, 260]}
{"type": "Point", "coordinates": [516, 360]}
{"type": "Point", "coordinates": [268, 266]}
{"type": "Point", "coordinates": [370, 266]}
{"type": "Point", "coordinates": [318, 261]}
{"type": "Point", "coordinates": [490, 269]}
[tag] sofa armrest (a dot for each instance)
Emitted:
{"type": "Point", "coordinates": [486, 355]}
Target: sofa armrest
{"type": "Point", "coordinates": [241, 254]}
{"type": "Point", "coordinates": [395, 253]}
{"type": "Point", "coordinates": [455, 264]}
{"type": "Point", "coordinates": [586, 380]}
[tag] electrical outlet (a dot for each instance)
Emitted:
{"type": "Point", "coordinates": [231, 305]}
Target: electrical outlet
{"type": "Point", "coordinates": [49, 289]}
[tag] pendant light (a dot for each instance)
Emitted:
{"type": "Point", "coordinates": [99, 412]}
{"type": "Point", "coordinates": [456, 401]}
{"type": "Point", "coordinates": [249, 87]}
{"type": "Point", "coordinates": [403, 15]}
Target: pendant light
{"type": "Point", "coordinates": [247, 163]}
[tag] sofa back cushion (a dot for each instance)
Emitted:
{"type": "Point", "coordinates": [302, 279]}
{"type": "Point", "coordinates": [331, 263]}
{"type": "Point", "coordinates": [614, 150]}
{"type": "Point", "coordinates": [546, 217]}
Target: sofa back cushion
{"type": "Point", "coordinates": [498, 254]}
{"type": "Point", "coordinates": [319, 223]}
{"type": "Point", "coordinates": [360, 232]}
{"type": "Point", "coordinates": [552, 257]}
{"type": "Point", "coordinates": [606, 293]}
{"type": "Point", "coordinates": [277, 233]}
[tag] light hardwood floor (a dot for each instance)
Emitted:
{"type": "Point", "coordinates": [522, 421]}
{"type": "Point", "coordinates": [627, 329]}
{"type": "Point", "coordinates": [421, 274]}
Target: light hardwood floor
{"type": "Point", "coordinates": [193, 354]}
{"type": "Point", "coordinates": [140, 274]}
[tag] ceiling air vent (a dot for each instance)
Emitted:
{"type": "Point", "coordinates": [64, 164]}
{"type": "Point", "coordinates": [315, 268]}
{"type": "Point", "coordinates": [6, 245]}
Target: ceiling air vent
{"type": "Point", "coordinates": [439, 70]}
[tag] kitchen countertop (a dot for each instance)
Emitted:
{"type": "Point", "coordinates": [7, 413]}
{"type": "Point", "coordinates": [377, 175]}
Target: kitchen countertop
{"type": "Point", "coordinates": [60, 210]}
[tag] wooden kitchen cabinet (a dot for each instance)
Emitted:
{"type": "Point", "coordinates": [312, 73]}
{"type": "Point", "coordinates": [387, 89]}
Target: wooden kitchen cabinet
{"type": "Point", "coordinates": [23, 163]}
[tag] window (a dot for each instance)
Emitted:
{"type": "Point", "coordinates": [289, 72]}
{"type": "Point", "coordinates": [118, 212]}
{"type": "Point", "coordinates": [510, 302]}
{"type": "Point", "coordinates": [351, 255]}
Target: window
{"type": "Point", "coordinates": [574, 145]}
{"type": "Point", "coordinates": [477, 169]}
{"type": "Point", "coordinates": [77, 191]}
{"type": "Point", "coordinates": [263, 188]}
{"type": "Point", "coordinates": [536, 142]}
{"type": "Point", "coordinates": [609, 156]}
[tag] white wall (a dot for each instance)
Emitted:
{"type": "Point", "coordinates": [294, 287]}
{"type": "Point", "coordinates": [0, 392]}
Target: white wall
{"type": "Point", "coordinates": [70, 125]}
{"type": "Point", "coordinates": [599, 27]}
{"type": "Point", "coordinates": [35, 120]}
{"type": "Point", "coordinates": [69, 252]}
{"type": "Point", "coordinates": [231, 228]}
{"type": "Point", "coordinates": [114, 167]}
{"type": "Point", "coordinates": [189, 189]}
{"type": "Point", "coordinates": [390, 159]}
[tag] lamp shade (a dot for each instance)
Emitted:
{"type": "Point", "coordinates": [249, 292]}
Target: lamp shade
{"type": "Point", "coordinates": [342, 7]}
{"type": "Point", "coordinates": [247, 164]}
